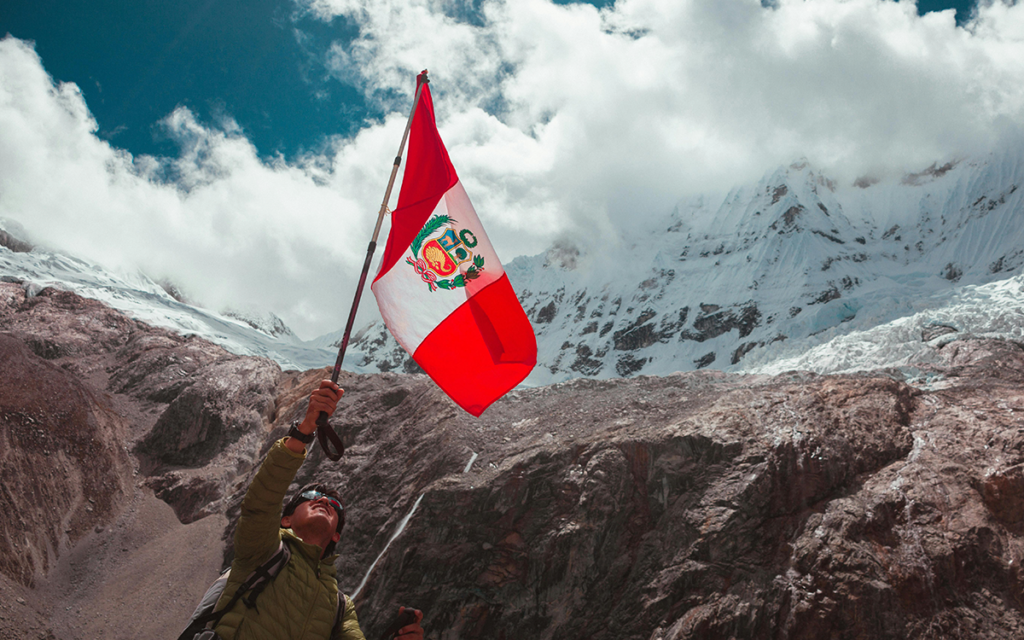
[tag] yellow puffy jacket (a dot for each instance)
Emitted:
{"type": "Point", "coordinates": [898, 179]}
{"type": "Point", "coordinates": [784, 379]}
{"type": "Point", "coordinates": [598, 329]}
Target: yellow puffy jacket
{"type": "Point", "coordinates": [301, 602]}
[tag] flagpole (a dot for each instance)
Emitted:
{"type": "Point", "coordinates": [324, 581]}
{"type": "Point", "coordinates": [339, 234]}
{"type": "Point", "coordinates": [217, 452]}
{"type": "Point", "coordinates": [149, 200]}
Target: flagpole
{"type": "Point", "coordinates": [324, 430]}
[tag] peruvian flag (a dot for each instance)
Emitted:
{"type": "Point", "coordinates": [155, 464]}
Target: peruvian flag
{"type": "Point", "coordinates": [441, 289]}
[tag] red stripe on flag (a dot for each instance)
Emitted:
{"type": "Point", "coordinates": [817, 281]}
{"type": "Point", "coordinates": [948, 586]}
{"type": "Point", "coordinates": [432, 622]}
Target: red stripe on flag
{"type": "Point", "coordinates": [482, 350]}
{"type": "Point", "coordinates": [428, 175]}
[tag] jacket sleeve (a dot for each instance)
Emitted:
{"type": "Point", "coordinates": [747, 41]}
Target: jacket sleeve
{"type": "Point", "coordinates": [349, 627]}
{"type": "Point", "coordinates": [259, 527]}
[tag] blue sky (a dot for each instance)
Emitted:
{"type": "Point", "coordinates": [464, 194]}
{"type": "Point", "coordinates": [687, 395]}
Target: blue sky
{"type": "Point", "coordinates": [260, 62]}
{"type": "Point", "coordinates": [240, 149]}
{"type": "Point", "coordinates": [136, 60]}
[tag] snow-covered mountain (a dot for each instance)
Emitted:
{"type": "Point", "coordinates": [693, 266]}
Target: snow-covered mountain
{"type": "Point", "coordinates": [796, 271]}
{"type": "Point", "coordinates": [772, 274]}
{"type": "Point", "coordinates": [244, 333]}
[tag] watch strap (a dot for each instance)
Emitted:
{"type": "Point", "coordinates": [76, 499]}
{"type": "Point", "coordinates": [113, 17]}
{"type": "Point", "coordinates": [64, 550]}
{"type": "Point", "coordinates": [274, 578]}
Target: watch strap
{"type": "Point", "coordinates": [304, 438]}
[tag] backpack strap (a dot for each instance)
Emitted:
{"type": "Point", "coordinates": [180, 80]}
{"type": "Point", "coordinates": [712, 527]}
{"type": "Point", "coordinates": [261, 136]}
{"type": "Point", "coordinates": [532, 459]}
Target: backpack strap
{"type": "Point", "coordinates": [263, 574]}
{"type": "Point", "coordinates": [339, 614]}
{"type": "Point", "coordinates": [254, 584]}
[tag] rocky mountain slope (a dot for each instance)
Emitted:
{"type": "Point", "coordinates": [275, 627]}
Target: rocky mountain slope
{"type": "Point", "coordinates": [694, 505]}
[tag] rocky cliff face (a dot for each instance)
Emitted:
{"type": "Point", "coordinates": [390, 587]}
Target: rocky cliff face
{"type": "Point", "coordinates": [887, 504]}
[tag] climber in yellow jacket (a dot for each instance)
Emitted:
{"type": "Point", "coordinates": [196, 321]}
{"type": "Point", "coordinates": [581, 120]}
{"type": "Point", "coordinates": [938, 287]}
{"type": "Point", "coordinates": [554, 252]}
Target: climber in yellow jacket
{"type": "Point", "coordinates": [302, 602]}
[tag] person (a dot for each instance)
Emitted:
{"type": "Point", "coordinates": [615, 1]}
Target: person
{"type": "Point", "coordinates": [302, 602]}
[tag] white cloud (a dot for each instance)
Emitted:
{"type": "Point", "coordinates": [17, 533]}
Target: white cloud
{"type": "Point", "coordinates": [633, 106]}
{"type": "Point", "coordinates": [230, 229]}
{"type": "Point", "coordinates": [561, 121]}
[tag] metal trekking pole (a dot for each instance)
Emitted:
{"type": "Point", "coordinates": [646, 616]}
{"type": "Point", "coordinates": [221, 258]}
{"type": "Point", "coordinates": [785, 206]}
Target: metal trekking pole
{"type": "Point", "coordinates": [324, 431]}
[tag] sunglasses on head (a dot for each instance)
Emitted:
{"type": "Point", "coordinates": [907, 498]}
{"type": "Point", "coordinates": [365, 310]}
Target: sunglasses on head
{"type": "Point", "coordinates": [316, 495]}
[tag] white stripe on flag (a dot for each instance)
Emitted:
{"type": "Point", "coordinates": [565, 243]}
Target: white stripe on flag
{"type": "Point", "coordinates": [409, 307]}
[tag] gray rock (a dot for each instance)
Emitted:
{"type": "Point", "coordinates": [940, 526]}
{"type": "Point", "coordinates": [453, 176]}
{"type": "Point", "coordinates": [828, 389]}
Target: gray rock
{"type": "Point", "coordinates": [219, 404]}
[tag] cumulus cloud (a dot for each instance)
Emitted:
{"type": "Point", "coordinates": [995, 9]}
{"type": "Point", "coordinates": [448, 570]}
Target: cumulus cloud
{"type": "Point", "coordinates": [630, 107]}
{"type": "Point", "coordinates": [228, 228]}
{"type": "Point", "coordinates": [562, 120]}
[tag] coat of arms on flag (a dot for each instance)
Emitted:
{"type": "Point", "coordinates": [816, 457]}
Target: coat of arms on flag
{"type": "Point", "coordinates": [443, 254]}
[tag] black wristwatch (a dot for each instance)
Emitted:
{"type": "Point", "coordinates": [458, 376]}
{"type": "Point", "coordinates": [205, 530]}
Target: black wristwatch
{"type": "Point", "coordinates": [298, 435]}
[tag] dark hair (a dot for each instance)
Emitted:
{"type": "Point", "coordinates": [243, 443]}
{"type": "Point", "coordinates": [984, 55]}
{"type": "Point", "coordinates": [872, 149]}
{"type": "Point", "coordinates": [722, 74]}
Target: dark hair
{"type": "Point", "coordinates": [297, 499]}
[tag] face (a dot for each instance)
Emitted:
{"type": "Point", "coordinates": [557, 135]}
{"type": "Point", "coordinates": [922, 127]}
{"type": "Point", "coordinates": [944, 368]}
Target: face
{"type": "Point", "coordinates": [317, 514]}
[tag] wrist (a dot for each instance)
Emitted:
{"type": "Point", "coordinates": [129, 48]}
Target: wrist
{"type": "Point", "coordinates": [308, 424]}
{"type": "Point", "coordinates": [301, 433]}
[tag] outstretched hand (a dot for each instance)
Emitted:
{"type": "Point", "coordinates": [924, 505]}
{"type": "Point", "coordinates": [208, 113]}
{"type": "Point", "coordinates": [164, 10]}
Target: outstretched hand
{"type": "Point", "coordinates": [411, 631]}
{"type": "Point", "coordinates": [324, 399]}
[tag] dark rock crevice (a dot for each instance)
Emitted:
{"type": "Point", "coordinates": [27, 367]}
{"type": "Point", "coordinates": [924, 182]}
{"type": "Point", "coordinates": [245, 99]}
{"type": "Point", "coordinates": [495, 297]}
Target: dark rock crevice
{"type": "Point", "coordinates": [714, 321]}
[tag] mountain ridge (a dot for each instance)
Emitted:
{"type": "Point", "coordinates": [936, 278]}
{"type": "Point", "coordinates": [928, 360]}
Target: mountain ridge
{"type": "Point", "coordinates": [742, 281]}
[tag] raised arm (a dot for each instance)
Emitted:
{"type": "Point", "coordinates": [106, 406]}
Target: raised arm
{"type": "Point", "coordinates": [258, 533]}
